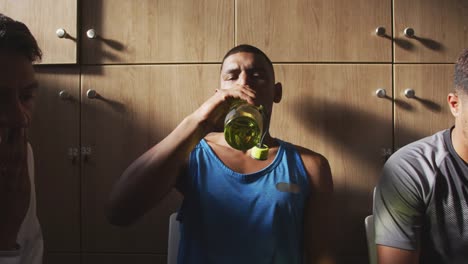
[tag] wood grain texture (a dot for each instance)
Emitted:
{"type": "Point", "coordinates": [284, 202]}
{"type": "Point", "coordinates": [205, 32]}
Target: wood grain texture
{"type": "Point", "coordinates": [429, 112]}
{"type": "Point", "coordinates": [157, 30]}
{"type": "Point", "coordinates": [55, 130]}
{"type": "Point", "coordinates": [332, 109]}
{"type": "Point", "coordinates": [140, 106]}
{"type": "Point", "coordinates": [441, 30]}
{"type": "Point", "coordinates": [43, 18]}
{"type": "Point", "coordinates": [303, 30]}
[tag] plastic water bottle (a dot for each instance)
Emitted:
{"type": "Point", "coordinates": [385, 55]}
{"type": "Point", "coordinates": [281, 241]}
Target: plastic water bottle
{"type": "Point", "coordinates": [243, 125]}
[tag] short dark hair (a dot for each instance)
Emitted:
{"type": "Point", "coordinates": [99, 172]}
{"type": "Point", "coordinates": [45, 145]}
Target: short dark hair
{"type": "Point", "coordinates": [461, 72]}
{"type": "Point", "coordinates": [249, 49]}
{"type": "Point", "coordinates": [16, 37]}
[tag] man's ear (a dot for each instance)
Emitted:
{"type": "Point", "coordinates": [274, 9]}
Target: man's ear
{"type": "Point", "coordinates": [278, 92]}
{"type": "Point", "coordinates": [454, 103]}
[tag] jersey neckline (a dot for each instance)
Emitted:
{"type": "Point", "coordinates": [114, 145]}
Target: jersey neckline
{"type": "Point", "coordinates": [248, 177]}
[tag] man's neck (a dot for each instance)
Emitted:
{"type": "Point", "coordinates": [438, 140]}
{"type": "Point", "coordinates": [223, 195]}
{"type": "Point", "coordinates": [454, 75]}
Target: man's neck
{"type": "Point", "coordinates": [460, 144]}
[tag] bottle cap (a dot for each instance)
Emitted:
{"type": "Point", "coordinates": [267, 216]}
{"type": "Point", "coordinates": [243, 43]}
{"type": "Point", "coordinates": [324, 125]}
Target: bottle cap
{"type": "Point", "coordinates": [260, 153]}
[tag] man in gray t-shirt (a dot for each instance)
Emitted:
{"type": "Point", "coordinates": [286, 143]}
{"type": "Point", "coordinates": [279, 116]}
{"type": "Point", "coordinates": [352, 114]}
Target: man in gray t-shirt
{"type": "Point", "coordinates": [421, 200]}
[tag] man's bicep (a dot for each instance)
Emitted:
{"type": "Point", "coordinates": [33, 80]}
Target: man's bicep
{"type": "Point", "coordinates": [391, 255]}
{"type": "Point", "coordinates": [318, 224]}
{"type": "Point", "coordinates": [398, 209]}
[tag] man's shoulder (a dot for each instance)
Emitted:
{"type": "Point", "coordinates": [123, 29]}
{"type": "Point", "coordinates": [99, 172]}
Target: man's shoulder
{"type": "Point", "coordinates": [430, 149]}
{"type": "Point", "coordinates": [310, 156]}
{"type": "Point", "coordinates": [419, 161]}
{"type": "Point", "coordinates": [316, 165]}
{"type": "Point", "coordinates": [214, 137]}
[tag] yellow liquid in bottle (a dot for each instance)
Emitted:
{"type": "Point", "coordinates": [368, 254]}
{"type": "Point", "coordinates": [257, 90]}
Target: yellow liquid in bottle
{"type": "Point", "coordinates": [242, 132]}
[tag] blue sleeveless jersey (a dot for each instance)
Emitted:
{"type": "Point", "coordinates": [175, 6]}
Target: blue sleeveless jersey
{"type": "Point", "coordinates": [228, 217]}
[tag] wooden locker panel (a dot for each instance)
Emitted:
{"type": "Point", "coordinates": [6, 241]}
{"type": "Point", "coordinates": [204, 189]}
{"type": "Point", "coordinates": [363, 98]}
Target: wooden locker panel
{"type": "Point", "coordinates": [429, 112]}
{"type": "Point", "coordinates": [440, 28]}
{"type": "Point", "coordinates": [124, 259]}
{"type": "Point", "coordinates": [312, 31]}
{"type": "Point", "coordinates": [61, 258]}
{"type": "Point", "coordinates": [43, 18]}
{"type": "Point", "coordinates": [148, 31]}
{"type": "Point", "coordinates": [140, 105]}
{"type": "Point", "coordinates": [333, 109]}
{"type": "Point", "coordinates": [55, 140]}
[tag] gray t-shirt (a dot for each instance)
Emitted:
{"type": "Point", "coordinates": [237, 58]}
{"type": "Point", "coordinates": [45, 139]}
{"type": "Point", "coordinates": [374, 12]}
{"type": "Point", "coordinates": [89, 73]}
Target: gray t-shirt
{"type": "Point", "coordinates": [421, 201]}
